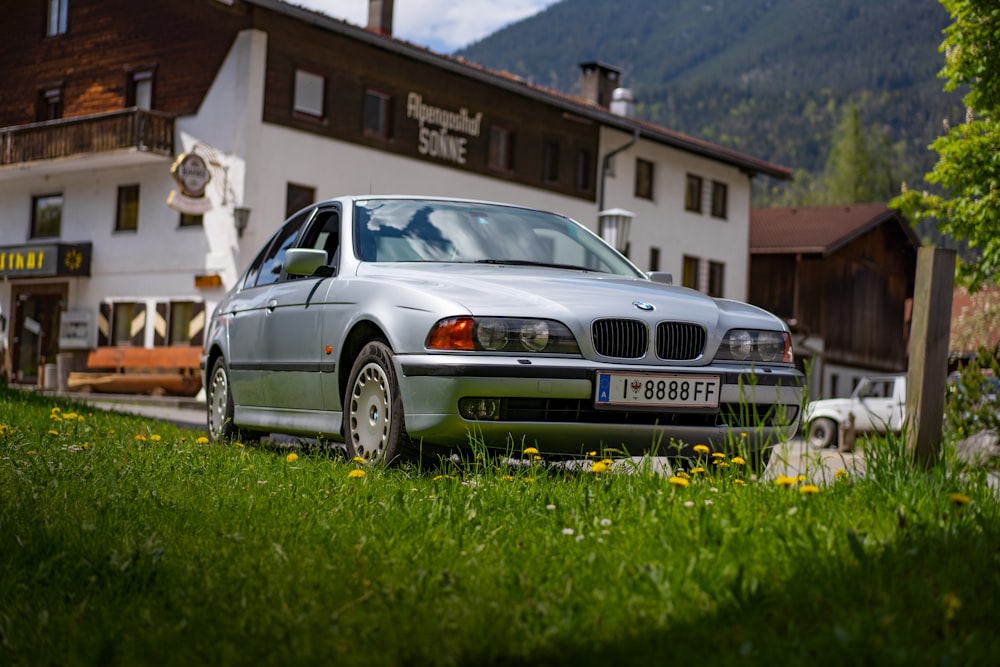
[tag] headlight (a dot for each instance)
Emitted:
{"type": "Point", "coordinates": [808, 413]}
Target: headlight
{"type": "Point", "coordinates": [754, 345]}
{"type": "Point", "coordinates": [502, 334]}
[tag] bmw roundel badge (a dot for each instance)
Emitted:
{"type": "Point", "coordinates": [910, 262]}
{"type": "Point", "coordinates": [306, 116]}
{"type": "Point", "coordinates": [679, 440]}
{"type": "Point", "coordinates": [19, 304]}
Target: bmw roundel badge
{"type": "Point", "coordinates": [642, 305]}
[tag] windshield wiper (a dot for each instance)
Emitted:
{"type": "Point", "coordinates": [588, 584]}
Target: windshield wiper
{"type": "Point", "coordinates": [526, 262]}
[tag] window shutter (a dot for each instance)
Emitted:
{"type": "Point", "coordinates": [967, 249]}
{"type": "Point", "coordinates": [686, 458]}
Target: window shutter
{"type": "Point", "coordinates": [160, 324]}
{"type": "Point", "coordinates": [196, 327]}
{"type": "Point", "coordinates": [104, 324]}
{"type": "Point", "coordinates": [137, 330]}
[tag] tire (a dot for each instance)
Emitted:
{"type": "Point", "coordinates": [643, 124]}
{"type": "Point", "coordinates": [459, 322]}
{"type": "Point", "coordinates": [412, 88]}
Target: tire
{"type": "Point", "coordinates": [219, 402]}
{"type": "Point", "coordinates": [822, 433]}
{"type": "Point", "coordinates": [373, 407]}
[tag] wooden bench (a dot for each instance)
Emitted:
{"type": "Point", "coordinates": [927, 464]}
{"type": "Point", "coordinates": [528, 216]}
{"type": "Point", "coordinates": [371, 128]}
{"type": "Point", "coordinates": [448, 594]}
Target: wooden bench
{"type": "Point", "coordinates": [173, 370]}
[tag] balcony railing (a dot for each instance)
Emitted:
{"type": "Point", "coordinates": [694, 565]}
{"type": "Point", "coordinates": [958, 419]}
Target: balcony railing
{"type": "Point", "coordinates": [148, 131]}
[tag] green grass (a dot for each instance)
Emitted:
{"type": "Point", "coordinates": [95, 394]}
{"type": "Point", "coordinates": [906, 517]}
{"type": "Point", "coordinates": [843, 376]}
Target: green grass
{"type": "Point", "coordinates": [126, 541]}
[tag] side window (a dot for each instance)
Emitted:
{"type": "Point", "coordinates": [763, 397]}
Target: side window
{"type": "Point", "coordinates": [270, 261]}
{"type": "Point", "coordinates": [324, 234]}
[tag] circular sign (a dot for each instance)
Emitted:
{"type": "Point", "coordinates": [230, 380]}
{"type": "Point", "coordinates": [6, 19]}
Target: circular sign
{"type": "Point", "coordinates": [191, 174]}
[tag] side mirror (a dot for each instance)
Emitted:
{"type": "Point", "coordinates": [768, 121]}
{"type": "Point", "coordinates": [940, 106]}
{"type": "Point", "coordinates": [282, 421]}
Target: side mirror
{"type": "Point", "coordinates": [661, 277]}
{"type": "Point", "coordinates": [303, 261]}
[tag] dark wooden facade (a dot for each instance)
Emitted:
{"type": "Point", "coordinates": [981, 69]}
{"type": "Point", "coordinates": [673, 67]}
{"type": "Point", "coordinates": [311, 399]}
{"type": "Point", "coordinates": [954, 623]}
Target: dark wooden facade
{"type": "Point", "coordinates": [843, 274]}
{"type": "Point", "coordinates": [183, 42]}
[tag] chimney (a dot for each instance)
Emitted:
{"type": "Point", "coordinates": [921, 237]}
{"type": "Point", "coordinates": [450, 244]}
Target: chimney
{"type": "Point", "coordinates": [380, 16]}
{"type": "Point", "coordinates": [597, 82]}
{"type": "Point", "coordinates": [622, 103]}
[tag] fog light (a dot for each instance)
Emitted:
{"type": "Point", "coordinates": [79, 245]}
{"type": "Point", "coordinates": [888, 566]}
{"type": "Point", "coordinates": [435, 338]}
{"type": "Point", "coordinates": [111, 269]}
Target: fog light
{"type": "Point", "coordinates": [478, 409]}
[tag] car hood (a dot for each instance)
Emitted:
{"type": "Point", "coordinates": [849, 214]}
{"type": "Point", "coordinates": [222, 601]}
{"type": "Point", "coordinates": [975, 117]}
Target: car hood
{"type": "Point", "coordinates": [563, 294]}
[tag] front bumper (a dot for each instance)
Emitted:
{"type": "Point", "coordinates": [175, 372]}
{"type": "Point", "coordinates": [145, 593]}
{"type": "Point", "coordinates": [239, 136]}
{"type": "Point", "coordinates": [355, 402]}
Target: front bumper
{"type": "Point", "coordinates": [548, 403]}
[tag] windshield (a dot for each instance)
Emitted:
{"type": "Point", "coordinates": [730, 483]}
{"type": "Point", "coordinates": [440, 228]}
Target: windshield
{"type": "Point", "coordinates": [416, 230]}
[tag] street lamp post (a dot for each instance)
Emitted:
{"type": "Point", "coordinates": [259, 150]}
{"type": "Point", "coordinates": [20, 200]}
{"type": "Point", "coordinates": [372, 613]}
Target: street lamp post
{"type": "Point", "coordinates": [613, 225]}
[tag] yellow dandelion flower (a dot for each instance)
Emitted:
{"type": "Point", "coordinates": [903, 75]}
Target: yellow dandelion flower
{"type": "Point", "coordinates": [56, 418]}
{"type": "Point", "coordinates": [79, 418]}
{"type": "Point", "coordinates": [683, 475]}
{"type": "Point", "coordinates": [53, 432]}
{"type": "Point", "coordinates": [536, 458]}
{"type": "Point", "coordinates": [952, 603]}
{"type": "Point", "coordinates": [69, 415]}
{"type": "Point", "coordinates": [738, 460]}
{"type": "Point", "coordinates": [528, 451]}
{"type": "Point", "coordinates": [599, 466]}
{"type": "Point", "coordinates": [359, 459]}
{"type": "Point", "coordinates": [743, 434]}
{"type": "Point", "coordinates": [509, 478]}
{"type": "Point", "coordinates": [357, 473]}
{"type": "Point", "coordinates": [959, 498]}
{"type": "Point", "coordinates": [56, 410]}
{"type": "Point", "coordinates": [800, 478]}
{"type": "Point", "coordinates": [678, 481]}
{"type": "Point", "coordinates": [809, 489]}
{"type": "Point", "coordinates": [292, 458]}
{"type": "Point", "coordinates": [840, 474]}
{"type": "Point", "coordinates": [739, 482]}
{"type": "Point", "coordinates": [607, 462]}
{"type": "Point", "coordinates": [718, 455]}
{"type": "Point", "coordinates": [202, 440]}
{"type": "Point", "coordinates": [721, 464]}
{"type": "Point", "coordinates": [701, 449]}
{"type": "Point", "coordinates": [140, 437]}
{"type": "Point", "coordinates": [155, 438]}
{"type": "Point", "coordinates": [592, 454]}
{"type": "Point", "coordinates": [698, 470]}
{"type": "Point", "coordinates": [85, 445]}
{"type": "Point", "coordinates": [784, 480]}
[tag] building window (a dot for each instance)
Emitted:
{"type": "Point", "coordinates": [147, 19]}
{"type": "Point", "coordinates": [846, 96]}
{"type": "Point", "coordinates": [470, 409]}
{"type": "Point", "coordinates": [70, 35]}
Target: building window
{"type": "Point", "coordinates": [550, 161]}
{"type": "Point", "coordinates": [297, 197]}
{"type": "Point", "coordinates": [716, 278]}
{"type": "Point", "coordinates": [128, 323]}
{"type": "Point", "coordinates": [690, 277]}
{"type": "Point", "coordinates": [310, 93]}
{"type": "Point", "coordinates": [127, 215]}
{"type": "Point", "coordinates": [191, 220]}
{"type": "Point", "coordinates": [720, 196]}
{"type": "Point", "coordinates": [378, 114]}
{"type": "Point", "coordinates": [139, 89]}
{"type": "Point", "coordinates": [179, 322]}
{"type": "Point", "coordinates": [501, 148]}
{"type": "Point", "coordinates": [654, 259]}
{"type": "Point", "coordinates": [56, 23]}
{"type": "Point", "coordinates": [50, 103]}
{"type": "Point", "coordinates": [643, 178]}
{"type": "Point", "coordinates": [46, 216]}
{"type": "Point", "coordinates": [692, 195]}
{"type": "Point", "coordinates": [584, 168]}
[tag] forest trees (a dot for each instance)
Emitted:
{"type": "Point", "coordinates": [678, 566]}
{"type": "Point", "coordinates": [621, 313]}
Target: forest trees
{"type": "Point", "coordinates": [967, 172]}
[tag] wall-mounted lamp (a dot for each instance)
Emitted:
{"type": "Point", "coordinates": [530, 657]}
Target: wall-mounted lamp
{"type": "Point", "coordinates": [613, 225]}
{"type": "Point", "coordinates": [241, 218]}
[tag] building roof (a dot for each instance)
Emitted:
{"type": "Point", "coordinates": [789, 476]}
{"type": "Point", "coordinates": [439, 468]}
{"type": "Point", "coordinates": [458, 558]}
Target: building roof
{"type": "Point", "coordinates": [818, 229]}
{"type": "Point", "coordinates": [577, 106]}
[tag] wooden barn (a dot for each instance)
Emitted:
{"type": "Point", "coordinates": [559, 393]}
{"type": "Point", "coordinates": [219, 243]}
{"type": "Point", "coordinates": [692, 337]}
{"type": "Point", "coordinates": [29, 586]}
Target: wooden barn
{"type": "Point", "coordinates": [841, 276]}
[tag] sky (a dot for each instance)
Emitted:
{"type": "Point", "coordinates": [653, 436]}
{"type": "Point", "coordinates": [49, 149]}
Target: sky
{"type": "Point", "coordinates": [440, 25]}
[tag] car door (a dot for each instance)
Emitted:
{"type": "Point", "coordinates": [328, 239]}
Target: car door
{"type": "Point", "coordinates": [877, 404]}
{"type": "Point", "coordinates": [291, 334]}
{"type": "Point", "coordinates": [248, 365]}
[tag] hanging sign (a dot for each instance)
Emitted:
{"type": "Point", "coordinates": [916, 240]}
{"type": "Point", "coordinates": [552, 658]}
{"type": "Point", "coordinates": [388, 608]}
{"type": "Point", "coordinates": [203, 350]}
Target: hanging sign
{"type": "Point", "coordinates": [192, 176]}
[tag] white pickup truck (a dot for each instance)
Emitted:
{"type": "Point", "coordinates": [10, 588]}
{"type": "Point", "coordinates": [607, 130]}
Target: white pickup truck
{"type": "Point", "coordinates": [877, 405]}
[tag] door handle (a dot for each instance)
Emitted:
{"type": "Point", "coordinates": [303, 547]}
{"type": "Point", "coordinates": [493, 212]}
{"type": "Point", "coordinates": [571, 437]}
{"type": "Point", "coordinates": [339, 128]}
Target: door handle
{"type": "Point", "coordinates": [271, 305]}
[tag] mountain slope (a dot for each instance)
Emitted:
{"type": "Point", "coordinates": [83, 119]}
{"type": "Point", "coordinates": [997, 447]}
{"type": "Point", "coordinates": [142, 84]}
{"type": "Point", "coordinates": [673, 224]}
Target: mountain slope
{"type": "Point", "coordinates": [768, 77]}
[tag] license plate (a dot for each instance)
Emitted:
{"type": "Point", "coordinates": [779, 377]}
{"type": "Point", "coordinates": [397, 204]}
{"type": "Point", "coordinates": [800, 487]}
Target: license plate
{"type": "Point", "coordinates": [658, 391]}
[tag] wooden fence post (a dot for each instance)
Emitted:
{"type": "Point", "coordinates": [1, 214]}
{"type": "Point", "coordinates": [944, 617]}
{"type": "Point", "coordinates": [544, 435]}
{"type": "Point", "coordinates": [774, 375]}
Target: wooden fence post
{"type": "Point", "coordinates": [928, 366]}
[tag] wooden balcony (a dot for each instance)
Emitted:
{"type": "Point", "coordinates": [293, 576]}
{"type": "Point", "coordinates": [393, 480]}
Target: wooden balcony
{"type": "Point", "coordinates": [128, 129]}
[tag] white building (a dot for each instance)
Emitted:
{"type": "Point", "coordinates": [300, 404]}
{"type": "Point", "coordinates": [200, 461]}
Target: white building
{"type": "Point", "coordinates": [285, 106]}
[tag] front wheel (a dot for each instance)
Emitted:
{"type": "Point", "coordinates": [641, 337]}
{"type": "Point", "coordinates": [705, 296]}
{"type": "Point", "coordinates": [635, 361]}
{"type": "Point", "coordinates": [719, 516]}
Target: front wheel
{"type": "Point", "coordinates": [822, 432]}
{"type": "Point", "coordinates": [374, 425]}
